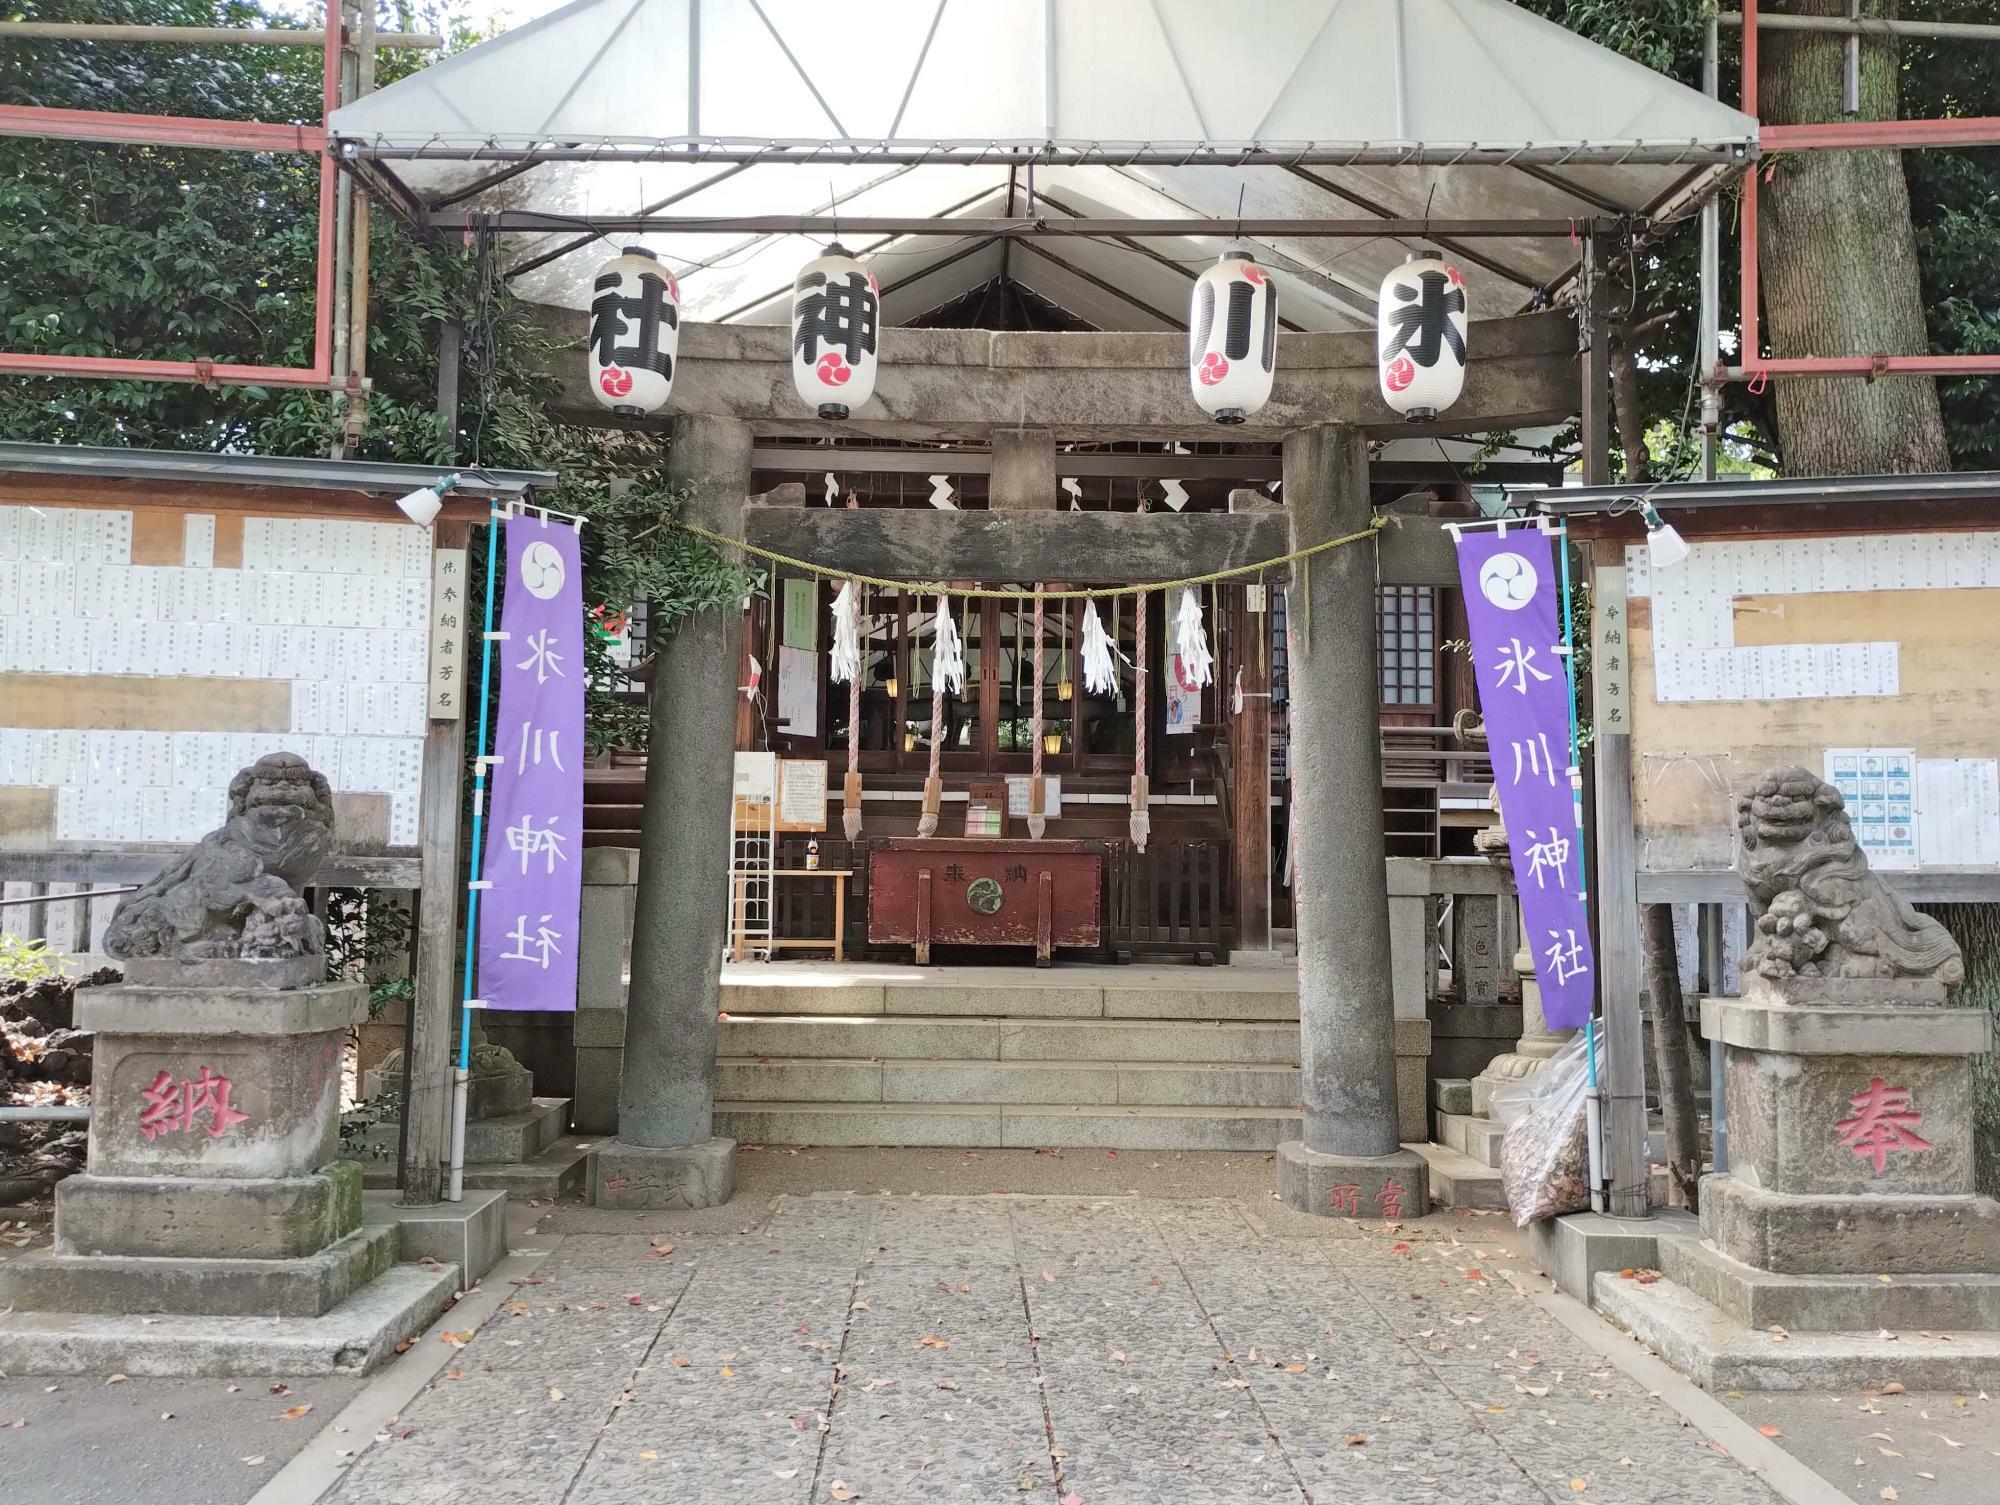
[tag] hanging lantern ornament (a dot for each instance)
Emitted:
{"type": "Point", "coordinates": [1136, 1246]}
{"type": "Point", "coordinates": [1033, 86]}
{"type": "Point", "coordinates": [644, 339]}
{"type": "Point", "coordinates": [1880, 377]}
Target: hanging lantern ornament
{"type": "Point", "coordinates": [1420, 338]}
{"type": "Point", "coordinates": [635, 333]}
{"type": "Point", "coordinates": [835, 303]}
{"type": "Point", "coordinates": [1233, 338]}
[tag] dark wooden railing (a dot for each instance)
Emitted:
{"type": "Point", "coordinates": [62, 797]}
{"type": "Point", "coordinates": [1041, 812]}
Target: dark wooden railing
{"type": "Point", "coordinates": [1168, 900]}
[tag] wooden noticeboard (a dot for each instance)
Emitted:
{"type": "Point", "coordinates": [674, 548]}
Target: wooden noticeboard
{"type": "Point", "coordinates": [1810, 650]}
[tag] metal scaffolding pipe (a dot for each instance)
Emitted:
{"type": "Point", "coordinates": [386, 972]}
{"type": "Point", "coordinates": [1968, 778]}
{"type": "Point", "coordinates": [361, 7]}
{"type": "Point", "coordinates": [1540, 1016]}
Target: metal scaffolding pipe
{"type": "Point", "coordinates": [1964, 31]}
{"type": "Point", "coordinates": [198, 36]}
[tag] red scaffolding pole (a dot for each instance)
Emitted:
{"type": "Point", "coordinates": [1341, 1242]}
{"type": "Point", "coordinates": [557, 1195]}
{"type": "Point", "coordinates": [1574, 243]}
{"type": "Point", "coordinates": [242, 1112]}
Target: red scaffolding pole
{"type": "Point", "coordinates": [1976, 130]}
{"type": "Point", "coordinates": [226, 135]}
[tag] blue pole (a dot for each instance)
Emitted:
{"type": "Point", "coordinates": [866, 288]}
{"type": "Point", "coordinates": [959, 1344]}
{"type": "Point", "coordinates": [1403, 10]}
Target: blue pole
{"type": "Point", "coordinates": [494, 519]}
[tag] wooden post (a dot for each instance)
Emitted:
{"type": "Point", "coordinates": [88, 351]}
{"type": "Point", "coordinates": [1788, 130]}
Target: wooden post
{"type": "Point", "coordinates": [1250, 776]}
{"type": "Point", "coordinates": [427, 1066]}
{"type": "Point", "coordinates": [1615, 880]}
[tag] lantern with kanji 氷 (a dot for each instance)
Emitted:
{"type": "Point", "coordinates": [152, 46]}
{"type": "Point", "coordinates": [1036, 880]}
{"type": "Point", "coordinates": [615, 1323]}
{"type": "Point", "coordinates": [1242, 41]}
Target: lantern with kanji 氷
{"type": "Point", "coordinates": [1233, 338]}
{"type": "Point", "coordinates": [635, 333]}
{"type": "Point", "coordinates": [835, 307]}
{"type": "Point", "coordinates": [1420, 336]}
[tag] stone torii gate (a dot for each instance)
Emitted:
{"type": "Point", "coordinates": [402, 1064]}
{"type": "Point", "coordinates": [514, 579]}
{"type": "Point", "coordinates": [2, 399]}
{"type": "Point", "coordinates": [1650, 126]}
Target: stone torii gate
{"type": "Point", "coordinates": [1026, 393]}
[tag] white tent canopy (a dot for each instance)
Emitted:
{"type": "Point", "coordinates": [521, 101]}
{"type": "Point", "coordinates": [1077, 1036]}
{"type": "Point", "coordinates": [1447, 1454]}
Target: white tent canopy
{"type": "Point", "coordinates": [726, 111]}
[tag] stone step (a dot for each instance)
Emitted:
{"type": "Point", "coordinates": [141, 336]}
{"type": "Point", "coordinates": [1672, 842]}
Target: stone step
{"type": "Point", "coordinates": [1720, 1353]}
{"type": "Point", "coordinates": [358, 1335]}
{"type": "Point", "coordinates": [555, 1173]}
{"type": "Point", "coordinates": [1454, 1094]}
{"type": "Point", "coordinates": [1006, 1125]}
{"type": "Point", "coordinates": [130, 1284]}
{"type": "Point", "coordinates": [514, 1137]}
{"type": "Point", "coordinates": [1457, 1180]}
{"type": "Point", "coordinates": [995, 992]}
{"type": "Point", "coordinates": [840, 1037]}
{"type": "Point", "coordinates": [1831, 1303]}
{"type": "Point", "coordinates": [1476, 1138]}
{"type": "Point", "coordinates": [1057, 1083]}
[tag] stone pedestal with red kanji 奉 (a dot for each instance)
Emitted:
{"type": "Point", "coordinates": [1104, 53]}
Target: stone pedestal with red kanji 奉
{"type": "Point", "coordinates": [1850, 1107]}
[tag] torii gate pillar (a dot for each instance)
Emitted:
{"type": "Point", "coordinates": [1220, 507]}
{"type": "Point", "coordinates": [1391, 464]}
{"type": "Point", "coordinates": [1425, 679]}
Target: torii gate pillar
{"type": "Point", "coordinates": [1348, 1161]}
{"type": "Point", "coordinates": [666, 1153]}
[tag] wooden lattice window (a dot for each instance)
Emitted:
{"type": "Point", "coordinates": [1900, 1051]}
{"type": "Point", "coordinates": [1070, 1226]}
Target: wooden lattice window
{"type": "Point", "coordinates": [1406, 644]}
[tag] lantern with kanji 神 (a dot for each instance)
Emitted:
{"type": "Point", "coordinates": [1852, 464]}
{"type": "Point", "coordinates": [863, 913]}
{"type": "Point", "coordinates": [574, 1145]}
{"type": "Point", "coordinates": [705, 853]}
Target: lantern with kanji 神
{"type": "Point", "coordinates": [835, 304]}
{"type": "Point", "coordinates": [635, 333]}
{"type": "Point", "coordinates": [1233, 338]}
{"type": "Point", "coordinates": [1420, 336]}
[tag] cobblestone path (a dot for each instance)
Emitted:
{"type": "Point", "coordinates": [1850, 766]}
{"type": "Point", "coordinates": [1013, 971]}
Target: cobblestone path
{"type": "Point", "coordinates": [1090, 1352]}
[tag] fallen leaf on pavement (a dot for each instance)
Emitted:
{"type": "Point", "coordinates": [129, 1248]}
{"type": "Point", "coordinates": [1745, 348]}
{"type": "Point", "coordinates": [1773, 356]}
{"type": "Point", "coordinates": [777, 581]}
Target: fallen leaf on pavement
{"type": "Point", "coordinates": [1577, 1486]}
{"type": "Point", "coordinates": [947, 1384]}
{"type": "Point", "coordinates": [1048, 1277]}
{"type": "Point", "coordinates": [650, 1456]}
{"type": "Point", "coordinates": [1770, 1431]}
{"type": "Point", "coordinates": [1946, 1440]}
{"type": "Point", "coordinates": [1072, 1498]}
{"type": "Point", "coordinates": [293, 1413]}
{"type": "Point", "coordinates": [456, 1340]}
{"type": "Point", "coordinates": [932, 1340]}
{"type": "Point", "coordinates": [1889, 1492]}
{"type": "Point", "coordinates": [114, 1379]}
{"type": "Point", "coordinates": [253, 1462]}
{"type": "Point", "coordinates": [840, 1491]}
{"type": "Point", "coordinates": [555, 1394]}
{"type": "Point", "coordinates": [1357, 1440]}
{"type": "Point", "coordinates": [682, 1361]}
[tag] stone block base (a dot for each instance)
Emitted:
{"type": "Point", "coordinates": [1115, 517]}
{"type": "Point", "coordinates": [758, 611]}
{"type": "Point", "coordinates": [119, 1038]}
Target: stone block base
{"type": "Point", "coordinates": [1851, 1235]}
{"type": "Point", "coordinates": [469, 1234]}
{"type": "Point", "coordinates": [1575, 1249]}
{"type": "Point", "coordinates": [355, 1337]}
{"type": "Point", "coordinates": [166, 1216]}
{"type": "Point", "coordinates": [689, 1175]}
{"type": "Point", "coordinates": [128, 1284]}
{"type": "Point", "coordinates": [1454, 1095]}
{"type": "Point", "coordinates": [1376, 1187]}
{"type": "Point", "coordinates": [1832, 1303]}
{"type": "Point", "coordinates": [1720, 1353]}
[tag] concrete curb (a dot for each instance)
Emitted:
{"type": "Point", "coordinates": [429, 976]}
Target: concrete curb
{"type": "Point", "coordinates": [318, 1466]}
{"type": "Point", "coordinates": [1788, 1477]}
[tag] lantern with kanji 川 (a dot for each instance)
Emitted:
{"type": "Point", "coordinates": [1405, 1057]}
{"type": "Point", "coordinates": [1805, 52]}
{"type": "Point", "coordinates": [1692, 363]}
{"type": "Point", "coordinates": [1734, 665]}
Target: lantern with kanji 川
{"type": "Point", "coordinates": [1420, 336]}
{"type": "Point", "coordinates": [635, 333]}
{"type": "Point", "coordinates": [1233, 338]}
{"type": "Point", "coordinates": [835, 304]}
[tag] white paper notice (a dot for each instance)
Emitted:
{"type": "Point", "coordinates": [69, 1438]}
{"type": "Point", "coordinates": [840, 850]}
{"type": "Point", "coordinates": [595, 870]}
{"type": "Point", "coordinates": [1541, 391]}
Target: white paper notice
{"type": "Point", "coordinates": [1017, 795]}
{"type": "Point", "coordinates": [1958, 811]}
{"type": "Point", "coordinates": [802, 793]}
{"type": "Point", "coordinates": [1880, 787]}
{"type": "Point", "coordinates": [798, 692]}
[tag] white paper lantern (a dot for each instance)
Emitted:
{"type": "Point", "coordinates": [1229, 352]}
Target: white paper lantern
{"type": "Point", "coordinates": [635, 334]}
{"type": "Point", "coordinates": [1233, 338]}
{"type": "Point", "coordinates": [1420, 336]}
{"type": "Point", "coordinates": [835, 304]}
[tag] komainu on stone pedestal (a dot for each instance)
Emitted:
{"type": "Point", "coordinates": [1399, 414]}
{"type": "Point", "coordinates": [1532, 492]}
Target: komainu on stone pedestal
{"type": "Point", "coordinates": [238, 893]}
{"type": "Point", "coordinates": [1819, 911]}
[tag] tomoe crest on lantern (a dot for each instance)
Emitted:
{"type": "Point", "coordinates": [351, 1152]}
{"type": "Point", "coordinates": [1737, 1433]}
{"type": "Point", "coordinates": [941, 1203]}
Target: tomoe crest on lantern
{"type": "Point", "coordinates": [1233, 338]}
{"type": "Point", "coordinates": [1420, 336]}
{"type": "Point", "coordinates": [635, 333]}
{"type": "Point", "coordinates": [835, 312]}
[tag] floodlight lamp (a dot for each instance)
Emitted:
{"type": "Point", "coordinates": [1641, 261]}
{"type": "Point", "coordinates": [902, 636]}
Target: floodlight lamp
{"type": "Point", "coordinates": [1664, 544]}
{"type": "Point", "coordinates": [423, 505]}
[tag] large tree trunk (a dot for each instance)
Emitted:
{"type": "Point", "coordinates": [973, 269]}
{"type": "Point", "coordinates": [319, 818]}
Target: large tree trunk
{"type": "Point", "coordinates": [1670, 1054]}
{"type": "Point", "coordinates": [1839, 264]}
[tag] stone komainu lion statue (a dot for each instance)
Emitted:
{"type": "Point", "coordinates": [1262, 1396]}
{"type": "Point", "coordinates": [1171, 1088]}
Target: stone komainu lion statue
{"type": "Point", "coordinates": [1819, 911]}
{"type": "Point", "coordinates": [237, 893]}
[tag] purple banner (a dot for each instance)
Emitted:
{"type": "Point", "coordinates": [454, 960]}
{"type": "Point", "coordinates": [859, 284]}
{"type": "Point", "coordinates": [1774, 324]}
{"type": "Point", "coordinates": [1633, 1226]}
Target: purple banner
{"type": "Point", "coordinates": [534, 820]}
{"type": "Point", "coordinates": [1513, 607]}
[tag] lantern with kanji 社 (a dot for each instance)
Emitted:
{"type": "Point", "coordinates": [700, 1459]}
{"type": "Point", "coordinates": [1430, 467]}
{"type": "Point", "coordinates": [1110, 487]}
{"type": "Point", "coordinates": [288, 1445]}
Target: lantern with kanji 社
{"type": "Point", "coordinates": [635, 333]}
{"type": "Point", "coordinates": [1233, 338]}
{"type": "Point", "coordinates": [1420, 336]}
{"type": "Point", "coordinates": [835, 304]}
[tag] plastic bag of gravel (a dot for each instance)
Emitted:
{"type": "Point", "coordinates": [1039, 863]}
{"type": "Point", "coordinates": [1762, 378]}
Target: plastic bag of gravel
{"type": "Point", "coordinates": [1545, 1156]}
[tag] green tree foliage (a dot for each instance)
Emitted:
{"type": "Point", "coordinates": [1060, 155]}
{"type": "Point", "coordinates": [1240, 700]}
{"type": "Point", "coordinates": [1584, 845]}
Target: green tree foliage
{"type": "Point", "coordinates": [1955, 207]}
{"type": "Point", "coordinates": [183, 253]}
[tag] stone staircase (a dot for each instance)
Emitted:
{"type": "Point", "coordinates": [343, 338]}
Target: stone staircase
{"type": "Point", "coordinates": [1464, 1156]}
{"type": "Point", "coordinates": [1126, 1058]}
